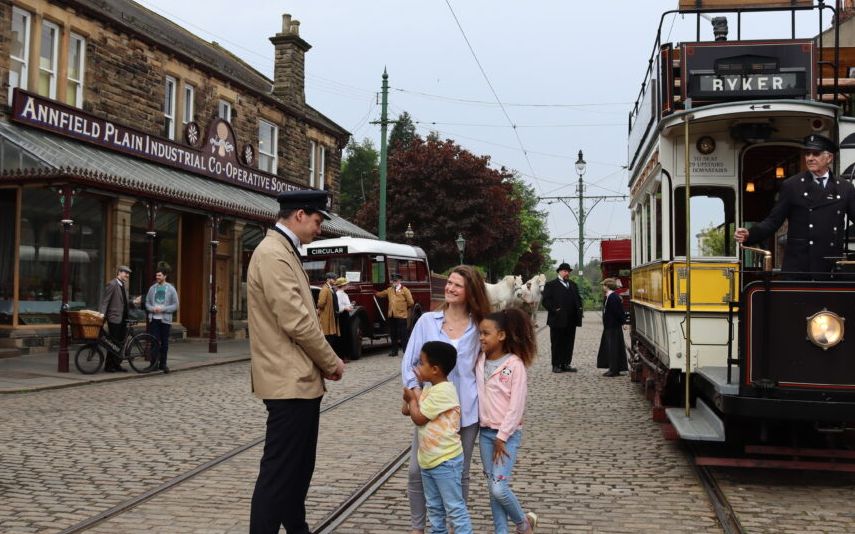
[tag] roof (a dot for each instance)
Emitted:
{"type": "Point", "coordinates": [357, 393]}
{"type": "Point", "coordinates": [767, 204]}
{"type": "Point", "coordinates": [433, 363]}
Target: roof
{"type": "Point", "coordinates": [152, 27]}
{"type": "Point", "coordinates": [356, 245]}
{"type": "Point", "coordinates": [54, 156]}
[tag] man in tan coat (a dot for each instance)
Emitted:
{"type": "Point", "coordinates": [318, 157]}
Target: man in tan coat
{"type": "Point", "coordinates": [328, 310]}
{"type": "Point", "coordinates": [290, 359]}
{"type": "Point", "coordinates": [400, 304]}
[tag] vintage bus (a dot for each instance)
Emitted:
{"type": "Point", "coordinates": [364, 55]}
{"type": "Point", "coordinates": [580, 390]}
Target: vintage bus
{"type": "Point", "coordinates": [615, 262]}
{"type": "Point", "coordinates": [368, 265]}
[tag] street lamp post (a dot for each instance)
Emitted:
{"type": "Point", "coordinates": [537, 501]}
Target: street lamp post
{"type": "Point", "coordinates": [461, 246]}
{"type": "Point", "coordinates": [580, 170]}
{"type": "Point", "coordinates": [409, 234]}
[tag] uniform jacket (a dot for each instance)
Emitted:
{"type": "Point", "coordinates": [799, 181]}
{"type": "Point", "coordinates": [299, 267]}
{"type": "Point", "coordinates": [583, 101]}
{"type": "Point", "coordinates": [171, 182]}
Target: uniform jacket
{"type": "Point", "coordinates": [815, 216]}
{"type": "Point", "coordinates": [114, 305]}
{"type": "Point", "coordinates": [613, 316]}
{"type": "Point", "coordinates": [289, 351]}
{"type": "Point", "coordinates": [169, 307]}
{"type": "Point", "coordinates": [502, 396]}
{"type": "Point", "coordinates": [399, 303]}
{"type": "Point", "coordinates": [327, 303]}
{"type": "Point", "coordinates": [563, 304]}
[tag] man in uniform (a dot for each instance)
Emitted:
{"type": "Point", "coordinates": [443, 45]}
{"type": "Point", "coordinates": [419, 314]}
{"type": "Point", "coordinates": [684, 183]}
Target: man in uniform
{"type": "Point", "coordinates": [114, 307]}
{"type": "Point", "coordinates": [814, 203]}
{"type": "Point", "coordinates": [290, 359]}
{"type": "Point", "coordinates": [564, 307]}
{"type": "Point", "coordinates": [400, 304]}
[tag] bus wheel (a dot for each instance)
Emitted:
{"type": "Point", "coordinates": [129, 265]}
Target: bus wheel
{"type": "Point", "coordinates": [355, 338]}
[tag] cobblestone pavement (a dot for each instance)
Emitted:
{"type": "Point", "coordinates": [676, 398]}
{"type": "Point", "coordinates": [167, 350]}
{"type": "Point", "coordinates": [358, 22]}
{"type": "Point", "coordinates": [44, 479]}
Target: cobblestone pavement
{"type": "Point", "coordinates": [591, 460]}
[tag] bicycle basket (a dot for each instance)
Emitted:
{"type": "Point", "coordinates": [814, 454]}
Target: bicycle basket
{"type": "Point", "coordinates": [85, 324]}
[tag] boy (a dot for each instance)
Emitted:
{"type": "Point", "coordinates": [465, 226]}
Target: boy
{"type": "Point", "coordinates": [437, 413]}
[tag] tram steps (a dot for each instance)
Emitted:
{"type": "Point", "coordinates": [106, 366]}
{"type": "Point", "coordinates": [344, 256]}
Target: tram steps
{"type": "Point", "coordinates": [701, 425]}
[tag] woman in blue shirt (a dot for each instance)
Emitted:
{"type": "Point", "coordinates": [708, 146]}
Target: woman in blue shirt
{"type": "Point", "coordinates": [455, 322]}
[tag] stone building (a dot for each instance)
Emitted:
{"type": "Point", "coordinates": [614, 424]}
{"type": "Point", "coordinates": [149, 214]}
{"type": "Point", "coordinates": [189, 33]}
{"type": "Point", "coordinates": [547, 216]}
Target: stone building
{"type": "Point", "coordinates": [144, 145]}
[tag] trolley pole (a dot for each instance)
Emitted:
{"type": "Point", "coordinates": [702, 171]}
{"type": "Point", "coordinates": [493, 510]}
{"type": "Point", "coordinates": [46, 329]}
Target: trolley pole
{"type": "Point", "coordinates": [580, 169]}
{"type": "Point", "coordinates": [384, 122]}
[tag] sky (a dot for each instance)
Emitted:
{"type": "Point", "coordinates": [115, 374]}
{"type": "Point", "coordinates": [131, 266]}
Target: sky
{"type": "Point", "coordinates": [566, 73]}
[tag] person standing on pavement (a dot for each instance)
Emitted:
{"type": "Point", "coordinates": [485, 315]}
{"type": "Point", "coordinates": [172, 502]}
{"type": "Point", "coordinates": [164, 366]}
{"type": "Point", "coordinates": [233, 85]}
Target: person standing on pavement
{"type": "Point", "coordinates": [456, 323]}
{"type": "Point", "coordinates": [115, 307]}
{"type": "Point", "coordinates": [400, 303]}
{"type": "Point", "coordinates": [509, 346]}
{"type": "Point", "coordinates": [612, 352]}
{"type": "Point", "coordinates": [564, 307]}
{"type": "Point", "coordinates": [161, 302]}
{"type": "Point", "coordinates": [345, 306]}
{"type": "Point", "coordinates": [328, 311]}
{"type": "Point", "coordinates": [290, 358]}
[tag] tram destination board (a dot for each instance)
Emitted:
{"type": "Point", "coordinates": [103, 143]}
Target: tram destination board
{"type": "Point", "coordinates": [326, 251]}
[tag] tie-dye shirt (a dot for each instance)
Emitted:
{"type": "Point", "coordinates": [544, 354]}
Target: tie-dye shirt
{"type": "Point", "coordinates": [438, 438]}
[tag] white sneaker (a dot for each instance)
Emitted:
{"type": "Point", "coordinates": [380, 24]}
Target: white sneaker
{"type": "Point", "coordinates": [532, 520]}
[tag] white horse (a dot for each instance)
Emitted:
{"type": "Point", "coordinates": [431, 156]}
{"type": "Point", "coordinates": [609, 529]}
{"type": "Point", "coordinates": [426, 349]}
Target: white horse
{"type": "Point", "coordinates": [503, 293]}
{"type": "Point", "coordinates": [531, 293]}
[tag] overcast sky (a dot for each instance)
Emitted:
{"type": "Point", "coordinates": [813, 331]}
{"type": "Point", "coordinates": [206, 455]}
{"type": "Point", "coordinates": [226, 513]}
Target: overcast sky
{"type": "Point", "coordinates": [566, 71]}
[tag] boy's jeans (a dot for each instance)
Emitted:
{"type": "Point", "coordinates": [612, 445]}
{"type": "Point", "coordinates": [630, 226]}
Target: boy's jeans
{"type": "Point", "coordinates": [444, 494]}
{"type": "Point", "coordinates": [503, 502]}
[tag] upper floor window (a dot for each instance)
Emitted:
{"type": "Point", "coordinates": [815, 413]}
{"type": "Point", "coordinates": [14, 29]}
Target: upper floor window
{"type": "Point", "coordinates": [224, 110]}
{"type": "Point", "coordinates": [169, 108]}
{"type": "Point", "coordinates": [48, 53]}
{"type": "Point", "coordinates": [189, 98]}
{"type": "Point", "coordinates": [19, 52]}
{"type": "Point", "coordinates": [317, 164]}
{"type": "Point", "coordinates": [76, 62]}
{"type": "Point", "coordinates": [267, 137]}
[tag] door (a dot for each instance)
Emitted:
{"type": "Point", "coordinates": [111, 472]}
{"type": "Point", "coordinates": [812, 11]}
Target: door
{"type": "Point", "coordinates": [223, 302]}
{"type": "Point", "coordinates": [194, 285]}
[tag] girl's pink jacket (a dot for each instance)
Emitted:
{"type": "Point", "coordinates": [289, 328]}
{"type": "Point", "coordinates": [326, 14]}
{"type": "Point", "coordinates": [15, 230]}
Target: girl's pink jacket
{"type": "Point", "coordinates": [501, 400]}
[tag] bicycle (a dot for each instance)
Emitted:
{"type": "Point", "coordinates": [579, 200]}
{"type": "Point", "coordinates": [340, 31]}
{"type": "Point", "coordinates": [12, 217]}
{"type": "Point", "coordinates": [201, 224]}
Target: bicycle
{"type": "Point", "coordinates": [142, 351]}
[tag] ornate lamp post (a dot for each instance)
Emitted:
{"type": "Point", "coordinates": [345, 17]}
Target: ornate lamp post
{"type": "Point", "coordinates": [409, 234]}
{"type": "Point", "coordinates": [461, 246]}
{"type": "Point", "coordinates": [580, 170]}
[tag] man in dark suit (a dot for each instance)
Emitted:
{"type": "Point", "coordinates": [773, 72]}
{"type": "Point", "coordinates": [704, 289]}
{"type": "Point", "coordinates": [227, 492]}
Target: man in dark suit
{"type": "Point", "coordinates": [114, 306]}
{"type": "Point", "coordinates": [814, 203]}
{"type": "Point", "coordinates": [561, 300]}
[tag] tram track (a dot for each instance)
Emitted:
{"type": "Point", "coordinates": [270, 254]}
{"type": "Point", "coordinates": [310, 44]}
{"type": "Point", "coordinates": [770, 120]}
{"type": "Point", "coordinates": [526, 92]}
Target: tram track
{"type": "Point", "coordinates": [724, 512]}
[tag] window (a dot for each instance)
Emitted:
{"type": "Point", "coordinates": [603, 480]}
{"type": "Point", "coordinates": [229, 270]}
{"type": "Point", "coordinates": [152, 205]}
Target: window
{"type": "Point", "coordinates": [712, 220]}
{"type": "Point", "coordinates": [189, 96]}
{"type": "Point", "coordinates": [312, 148]}
{"type": "Point", "coordinates": [322, 156]}
{"type": "Point", "coordinates": [224, 110]}
{"type": "Point", "coordinates": [19, 50]}
{"type": "Point", "coordinates": [47, 59]}
{"type": "Point", "coordinates": [317, 164]}
{"type": "Point", "coordinates": [169, 109]}
{"type": "Point", "coordinates": [410, 270]}
{"type": "Point", "coordinates": [267, 142]}
{"type": "Point", "coordinates": [76, 62]}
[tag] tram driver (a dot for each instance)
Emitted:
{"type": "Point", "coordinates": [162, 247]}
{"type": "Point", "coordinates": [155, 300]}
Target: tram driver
{"type": "Point", "coordinates": [814, 203]}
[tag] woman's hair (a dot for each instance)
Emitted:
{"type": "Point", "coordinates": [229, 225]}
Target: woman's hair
{"type": "Point", "coordinates": [477, 302]}
{"type": "Point", "coordinates": [519, 333]}
{"type": "Point", "coordinates": [610, 283]}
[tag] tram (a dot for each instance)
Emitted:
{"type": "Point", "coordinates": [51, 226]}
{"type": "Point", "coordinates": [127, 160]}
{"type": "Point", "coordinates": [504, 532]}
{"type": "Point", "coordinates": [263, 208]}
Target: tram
{"type": "Point", "coordinates": [729, 347]}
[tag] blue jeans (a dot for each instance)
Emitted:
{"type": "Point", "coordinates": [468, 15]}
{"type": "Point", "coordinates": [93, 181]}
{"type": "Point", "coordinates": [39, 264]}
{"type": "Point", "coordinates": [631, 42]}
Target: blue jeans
{"type": "Point", "coordinates": [503, 502]}
{"type": "Point", "coordinates": [444, 494]}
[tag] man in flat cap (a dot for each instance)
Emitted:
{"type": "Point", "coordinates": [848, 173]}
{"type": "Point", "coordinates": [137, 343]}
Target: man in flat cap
{"type": "Point", "coordinates": [115, 306]}
{"type": "Point", "coordinates": [813, 202]}
{"type": "Point", "coordinates": [564, 306]}
{"type": "Point", "coordinates": [400, 303]}
{"type": "Point", "coordinates": [290, 360]}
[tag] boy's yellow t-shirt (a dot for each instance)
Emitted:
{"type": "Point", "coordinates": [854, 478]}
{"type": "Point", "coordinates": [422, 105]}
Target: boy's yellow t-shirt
{"type": "Point", "coordinates": [438, 438]}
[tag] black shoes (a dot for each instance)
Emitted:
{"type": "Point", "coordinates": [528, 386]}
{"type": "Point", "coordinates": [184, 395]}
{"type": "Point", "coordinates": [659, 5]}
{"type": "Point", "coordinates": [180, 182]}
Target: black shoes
{"type": "Point", "coordinates": [569, 368]}
{"type": "Point", "coordinates": [557, 369]}
{"type": "Point", "coordinates": [165, 370]}
{"type": "Point", "coordinates": [610, 373]}
{"type": "Point", "coordinates": [115, 370]}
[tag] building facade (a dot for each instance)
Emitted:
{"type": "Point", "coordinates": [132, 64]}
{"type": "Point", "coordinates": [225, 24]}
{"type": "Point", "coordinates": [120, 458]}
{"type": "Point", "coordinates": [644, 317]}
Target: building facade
{"type": "Point", "coordinates": [144, 145]}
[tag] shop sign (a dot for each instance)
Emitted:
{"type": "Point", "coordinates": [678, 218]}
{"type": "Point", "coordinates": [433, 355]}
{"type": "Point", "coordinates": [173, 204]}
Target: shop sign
{"type": "Point", "coordinates": [215, 154]}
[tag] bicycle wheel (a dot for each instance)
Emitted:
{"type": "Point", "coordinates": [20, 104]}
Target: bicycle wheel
{"type": "Point", "coordinates": [143, 352]}
{"type": "Point", "coordinates": [89, 359]}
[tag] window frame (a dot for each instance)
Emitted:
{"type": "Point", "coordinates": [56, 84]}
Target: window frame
{"type": "Point", "coordinates": [224, 104]}
{"type": "Point", "coordinates": [169, 98]}
{"type": "Point", "coordinates": [274, 141]}
{"type": "Point", "coordinates": [321, 165]}
{"type": "Point", "coordinates": [78, 98]}
{"type": "Point", "coordinates": [25, 61]}
{"type": "Point", "coordinates": [189, 101]}
{"type": "Point", "coordinates": [312, 148]}
{"type": "Point", "coordinates": [52, 80]}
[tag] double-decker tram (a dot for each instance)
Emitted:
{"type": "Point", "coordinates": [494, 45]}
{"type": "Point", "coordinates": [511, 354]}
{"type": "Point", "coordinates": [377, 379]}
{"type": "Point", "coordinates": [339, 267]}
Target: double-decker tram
{"type": "Point", "coordinates": [729, 345]}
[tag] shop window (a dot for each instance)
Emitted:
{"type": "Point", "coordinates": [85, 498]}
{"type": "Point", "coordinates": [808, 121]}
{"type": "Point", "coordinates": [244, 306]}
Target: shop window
{"type": "Point", "coordinates": [76, 66]}
{"type": "Point", "coordinates": [169, 108]}
{"type": "Point", "coordinates": [48, 53]}
{"type": "Point", "coordinates": [19, 51]}
{"type": "Point", "coordinates": [165, 247]}
{"type": "Point", "coordinates": [41, 251]}
{"type": "Point", "coordinates": [224, 110]}
{"type": "Point", "coordinates": [8, 214]}
{"type": "Point", "coordinates": [189, 103]}
{"type": "Point", "coordinates": [712, 220]}
{"type": "Point", "coordinates": [267, 144]}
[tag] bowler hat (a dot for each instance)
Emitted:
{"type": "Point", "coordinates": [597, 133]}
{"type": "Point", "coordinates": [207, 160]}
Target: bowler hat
{"type": "Point", "coordinates": [124, 268]}
{"type": "Point", "coordinates": [564, 267]}
{"type": "Point", "coordinates": [304, 199]}
{"type": "Point", "coordinates": [819, 142]}
{"type": "Point", "coordinates": [331, 275]}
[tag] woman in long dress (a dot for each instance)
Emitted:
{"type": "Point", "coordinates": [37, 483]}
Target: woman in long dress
{"type": "Point", "coordinates": [612, 353]}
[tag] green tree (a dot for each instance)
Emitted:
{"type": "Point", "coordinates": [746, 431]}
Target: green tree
{"type": "Point", "coordinates": [531, 255]}
{"type": "Point", "coordinates": [359, 177]}
{"type": "Point", "coordinates": [712, 242]}
{"type": "Point", "coordinates": [403, 132]}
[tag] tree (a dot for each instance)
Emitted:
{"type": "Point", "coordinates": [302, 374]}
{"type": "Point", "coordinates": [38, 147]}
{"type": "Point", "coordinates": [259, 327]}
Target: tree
{"type": "Point", "coordinates": [442, 190]}
{"type": "Point", "coordinates": [359, 177]}
{"type": "Point", "coordinates": [711, 241]}
{"type": "Point", "coordinates": [403, 132]}
{"type": "Point", "coordinates": [532, 255]}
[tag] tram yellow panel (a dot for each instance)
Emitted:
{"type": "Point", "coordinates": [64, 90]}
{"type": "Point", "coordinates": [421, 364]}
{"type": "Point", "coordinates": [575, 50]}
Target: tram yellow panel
{"type": "Point", "coordinates": [647, 284]}
{"type": "Point", "coordinates": [663, 285]}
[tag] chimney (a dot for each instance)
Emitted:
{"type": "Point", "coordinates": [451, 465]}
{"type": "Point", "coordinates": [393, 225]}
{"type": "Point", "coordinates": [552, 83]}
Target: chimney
{"type": "Point", "coordinates": [289, 66]}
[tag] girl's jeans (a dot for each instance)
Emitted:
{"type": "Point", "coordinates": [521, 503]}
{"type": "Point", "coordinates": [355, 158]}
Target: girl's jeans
{"type": "Point", "coordinates": [444, 493]}
{"type": "Point", "coordinates": [503, 502]}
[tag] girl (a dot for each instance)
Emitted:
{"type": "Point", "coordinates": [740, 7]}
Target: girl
{"type": "Point", "coordinates": [508, 345]}
{"type": "Point", "coordinates": [612, 353]}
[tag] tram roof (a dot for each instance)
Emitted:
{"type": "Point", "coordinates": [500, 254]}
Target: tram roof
{"type": "Point", "coordinates": [357, 245]}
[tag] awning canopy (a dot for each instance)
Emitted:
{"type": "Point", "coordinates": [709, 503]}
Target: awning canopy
{"type": "Point", "coordinates": [58, 157]}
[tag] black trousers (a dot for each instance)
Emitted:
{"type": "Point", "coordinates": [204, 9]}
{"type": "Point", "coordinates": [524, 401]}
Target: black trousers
{"type": "Point", "coordinates": [286, 466]}
{"type": "Point", "coordinates": [118, 331]}
{"type": "Point", "coordinates": [562, 341]}
{"type": "Point", "coordinates": [160, 331]}
{"type": "Point", "coordinates": [398, 333]}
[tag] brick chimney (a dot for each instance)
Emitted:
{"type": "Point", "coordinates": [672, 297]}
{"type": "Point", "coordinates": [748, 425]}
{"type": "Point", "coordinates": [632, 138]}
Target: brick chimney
{"type": "Point", "coordinates": [289, 66]}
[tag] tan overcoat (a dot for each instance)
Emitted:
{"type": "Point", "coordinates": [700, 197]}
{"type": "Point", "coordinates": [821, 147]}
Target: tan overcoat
{"type": "Point", "coordinates": [289, 351]}
{"type": "Point", "coordinates": [326, 311]}
{"type": "Point", "coordinates": [399, 303]}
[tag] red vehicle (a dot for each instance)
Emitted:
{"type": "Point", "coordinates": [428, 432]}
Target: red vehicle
{"type": "Point", "coordinates": [616, 262]}
{"type": "Point", "coordinates": [368, 264]}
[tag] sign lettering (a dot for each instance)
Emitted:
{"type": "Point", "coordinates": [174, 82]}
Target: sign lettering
{"type": "Point", "coordinates": [326, 251]}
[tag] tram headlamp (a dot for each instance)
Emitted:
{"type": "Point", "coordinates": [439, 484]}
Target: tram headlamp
{"type": "Point", "coordinates": [825, 329]}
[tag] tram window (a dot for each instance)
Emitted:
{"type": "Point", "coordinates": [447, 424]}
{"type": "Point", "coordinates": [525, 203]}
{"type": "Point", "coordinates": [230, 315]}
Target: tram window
{"type": "Point", "coordinates": [378, 270]}
{"type": "Point", "coordinates": [712, 219]}
{"type": "Point", "coordinates": [657, 229]}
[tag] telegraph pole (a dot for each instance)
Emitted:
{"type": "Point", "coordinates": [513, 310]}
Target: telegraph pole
{"type": "Point", "coordinates": [384, 122]}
